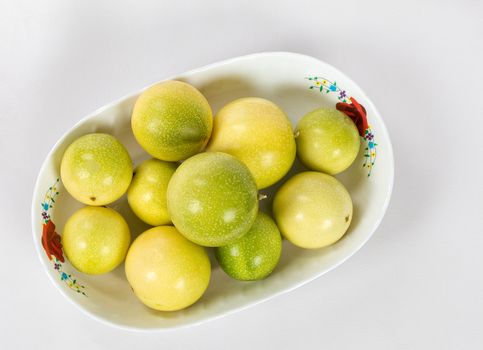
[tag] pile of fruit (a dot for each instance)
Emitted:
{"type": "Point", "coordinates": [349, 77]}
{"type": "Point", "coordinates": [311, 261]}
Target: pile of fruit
{"type": "Point", "coordinates": [200, 190]}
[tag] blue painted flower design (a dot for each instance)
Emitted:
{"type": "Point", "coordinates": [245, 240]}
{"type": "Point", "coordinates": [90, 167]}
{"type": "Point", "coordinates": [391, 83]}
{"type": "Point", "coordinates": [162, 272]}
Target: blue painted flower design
{"type": "Point", "coordinates": [52, 243]}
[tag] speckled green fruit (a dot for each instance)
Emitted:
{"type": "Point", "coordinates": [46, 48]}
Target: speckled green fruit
{"type": "Point", "coordinates": [96, 239]}
{"type": "Point", "coordinates": [147, 193]}
{"type": "Point", "coordinates": [257, 132]}
{"type": "Point", "coordinates": [172, 120]}
{"type": "Point", "coordinates": [166, 271]}
{"type": "Point", "coordinates": [256, 254]}
{"type": "Point", "coordinates": [327, 141]}
{"type": "Point", "coordinates": [212, 199]}
{"type": "Point", "coordinates": [312, 210]}
{"type": "Point", "coordinates": [96, 169]}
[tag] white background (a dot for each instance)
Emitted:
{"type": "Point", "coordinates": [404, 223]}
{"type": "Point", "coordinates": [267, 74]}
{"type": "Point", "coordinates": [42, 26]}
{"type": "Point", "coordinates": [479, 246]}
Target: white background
{"type": "Point", "coordinates": [417, 284]}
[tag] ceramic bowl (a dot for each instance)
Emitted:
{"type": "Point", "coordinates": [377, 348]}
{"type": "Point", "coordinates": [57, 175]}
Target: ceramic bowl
{"type": "Point", "coordinates": [298, 84]}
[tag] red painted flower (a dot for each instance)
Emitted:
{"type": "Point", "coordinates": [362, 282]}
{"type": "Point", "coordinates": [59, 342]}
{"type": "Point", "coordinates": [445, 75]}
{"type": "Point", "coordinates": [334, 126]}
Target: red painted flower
{"type": "Point", "coordinates": [51, 241]}
{"type": "Point", "coordinates": [356, 112]}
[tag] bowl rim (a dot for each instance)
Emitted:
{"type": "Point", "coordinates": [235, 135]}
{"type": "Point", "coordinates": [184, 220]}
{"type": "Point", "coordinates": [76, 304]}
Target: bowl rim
{"type": "Point", "coordinates": [36, 190]}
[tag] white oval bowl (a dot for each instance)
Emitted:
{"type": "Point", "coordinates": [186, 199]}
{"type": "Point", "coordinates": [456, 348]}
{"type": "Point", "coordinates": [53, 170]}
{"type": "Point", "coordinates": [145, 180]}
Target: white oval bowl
{"type": "Point", "coordinates": [278, 76]}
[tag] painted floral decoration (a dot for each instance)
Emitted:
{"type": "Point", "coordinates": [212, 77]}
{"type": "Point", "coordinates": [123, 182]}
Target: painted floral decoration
{"type": "Point", "coordinates": [52, 243]}
{"type": "Point", "coordinates": [354, 110]}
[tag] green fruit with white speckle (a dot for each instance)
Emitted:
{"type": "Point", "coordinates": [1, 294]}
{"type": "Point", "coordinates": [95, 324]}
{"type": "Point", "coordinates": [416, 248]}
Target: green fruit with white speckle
{"type": "Point", "coordinates": [212, 199]}
{"type": "Point", "coordinates": [256, 254]}
{"type": "Point", "coordinates": [147, 193]}
{"type": "Point", "coordinates": [96, 169]}
{"type": "Point", "coordinates": [327, 140]}
{"type": "Point", "coordinates": [172, 120]}
{"type": "Point", "coordinates": [312, 210]}
{"type": "Point", "coordinates": [257, 132]}
{"type": "Point", "coordinates": [96, 239]}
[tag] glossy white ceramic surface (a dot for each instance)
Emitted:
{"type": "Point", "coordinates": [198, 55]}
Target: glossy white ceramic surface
{"type": "Point", "coordinates": [280, 77]}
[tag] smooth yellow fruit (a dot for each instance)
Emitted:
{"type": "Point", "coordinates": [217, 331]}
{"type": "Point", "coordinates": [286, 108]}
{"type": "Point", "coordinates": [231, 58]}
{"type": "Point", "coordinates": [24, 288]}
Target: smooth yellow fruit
{"type": "Point", "coordinates": [172, 120]}
{"type": "Point", "coordinates": [327, 140]}
{"type": "Point", "coordinates": [257, 132]}
{"type": "Point", "coordinates": [166, 271]}
{"type": "Point", "coordinates": [147, 193]}
{"type": "Point", "coordinates": [312, 210]}
{"type": "Point", "coordinates": [96, 169]}
{"type": "Point", "coordinates": [96, 239]}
